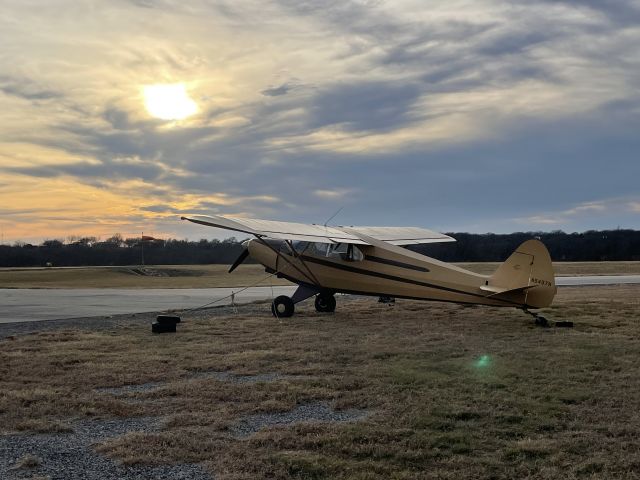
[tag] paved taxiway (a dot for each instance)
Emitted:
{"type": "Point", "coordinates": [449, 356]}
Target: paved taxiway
{"type": "Point", "coordinates": [597, 280]}
{"type": "Point", "coordinates": [24, 305]}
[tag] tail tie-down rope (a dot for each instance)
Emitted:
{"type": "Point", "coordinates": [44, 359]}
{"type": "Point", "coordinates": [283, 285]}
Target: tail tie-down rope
{"type": "Point", "coordinates": [231, 296]}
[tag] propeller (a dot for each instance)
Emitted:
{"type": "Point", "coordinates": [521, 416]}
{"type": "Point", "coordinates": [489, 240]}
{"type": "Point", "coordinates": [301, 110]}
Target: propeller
{"type": "Point", "coordinates": [243, 256]}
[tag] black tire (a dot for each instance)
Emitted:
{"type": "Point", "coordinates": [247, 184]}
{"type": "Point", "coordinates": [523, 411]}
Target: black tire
{"type": "Point", "coordinates": [168, 319]}
{"type": "Point", "coordinates": [157, 327]}
{"type": "Point", "coordinates": [386, 299]}
{"type": "Point", "coordinates": [541, 321]}
{"type": "Point", "coordinates": [282, 307]}
{"type": "Point", "coordinates": [325, 303]}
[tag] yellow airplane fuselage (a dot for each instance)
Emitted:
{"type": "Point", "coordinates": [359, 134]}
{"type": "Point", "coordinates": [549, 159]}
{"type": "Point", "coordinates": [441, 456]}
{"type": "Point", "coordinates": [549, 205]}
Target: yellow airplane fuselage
{"type": "Point", "coordinates": [405, 274]}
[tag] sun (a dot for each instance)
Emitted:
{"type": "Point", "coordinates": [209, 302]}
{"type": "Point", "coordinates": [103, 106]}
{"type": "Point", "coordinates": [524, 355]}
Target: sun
{"type": "Point", "coordinates": [169, 101]}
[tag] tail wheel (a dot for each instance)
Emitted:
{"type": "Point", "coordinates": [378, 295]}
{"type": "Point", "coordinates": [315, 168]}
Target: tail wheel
{"type": "Point", "coordinates": [282, 307]}
{"type": "Point", "coordinates": [541, 321]}
{"type": "Point", "coordinates": [325, 303]}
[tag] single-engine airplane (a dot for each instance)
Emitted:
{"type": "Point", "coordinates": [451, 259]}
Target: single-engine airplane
{"type": "Point", "coordinates": [325, 260]}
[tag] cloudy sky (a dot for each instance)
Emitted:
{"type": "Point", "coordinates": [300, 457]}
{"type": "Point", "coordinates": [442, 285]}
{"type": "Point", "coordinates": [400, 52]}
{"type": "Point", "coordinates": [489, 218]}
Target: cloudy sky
{"type": "Point", "coordinates": [455, 115]}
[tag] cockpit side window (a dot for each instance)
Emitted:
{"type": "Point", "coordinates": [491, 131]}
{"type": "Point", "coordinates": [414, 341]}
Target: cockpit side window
{"type": "Point", "coordinates": [322, 249]}
{"type": "Point", "coordinates": [347, 252]}
{"type": "Point", "coordinates": [300, 247]}
{"type": "Point", "coordinates": [342, 251]}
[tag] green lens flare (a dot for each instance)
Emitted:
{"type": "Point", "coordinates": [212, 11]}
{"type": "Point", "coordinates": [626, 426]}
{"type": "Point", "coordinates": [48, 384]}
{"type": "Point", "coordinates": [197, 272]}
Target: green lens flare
{"type": "Point", "coordinates": [482, 362]}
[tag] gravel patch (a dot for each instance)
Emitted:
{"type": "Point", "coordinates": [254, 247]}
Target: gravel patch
{"type": "Point", "coordinates": [312, 412]}
{"type": "Point", "coordinates": [69, 456]}
{"type": "Point", "coordinates": [236, 378]}
{"type": "Point", "coordinates": [143, 387]}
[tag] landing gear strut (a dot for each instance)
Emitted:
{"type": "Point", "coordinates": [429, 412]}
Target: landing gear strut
{"type": "Point", "coordinates": [325, 303]}
{"type": "Point", "coordinates": [283, 306]}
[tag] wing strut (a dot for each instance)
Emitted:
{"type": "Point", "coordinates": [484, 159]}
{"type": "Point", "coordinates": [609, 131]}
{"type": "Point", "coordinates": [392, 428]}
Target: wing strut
{"type": "Point", "coordinates": [312, 280]}
{"type": "Point", "coordinates": [299, 257]}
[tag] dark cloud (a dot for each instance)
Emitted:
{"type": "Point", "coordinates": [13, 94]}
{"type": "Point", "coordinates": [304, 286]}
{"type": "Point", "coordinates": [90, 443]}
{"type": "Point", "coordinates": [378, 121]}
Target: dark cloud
{"type": "Point", "coordinates": [156, 4]}
{"type": "Point", "coordinates": [142, 140]}
{"type": "Point", "coordinates": [145, 3]}
{"type": "Point", "coordinates": [461, 56]}
{"type": "Point", "coordinates": [430, 43]}
{"type": "Point", "coordinates": [107, 170]}
{"type": "Point", "coordinates": [347, 16]}
{"type": "Point", "coordinates": [509, 43]}
{"type": "Point", "coordinates": [5, 212]}
{"type": "Point", "coordinates": [161, 208]}
{"type": "Point", "coordinates": [364, 105]}
{"type": "Point", "coordinates": [26, 89]}
{"type": "Point", "coordinates": [620, 12]}
{"type": "Point", "coordinates": [447, 56]}
{"type": "Point", "coordinates": [119, 119]}
{"type": "Point", "coordinates": [277, 91]}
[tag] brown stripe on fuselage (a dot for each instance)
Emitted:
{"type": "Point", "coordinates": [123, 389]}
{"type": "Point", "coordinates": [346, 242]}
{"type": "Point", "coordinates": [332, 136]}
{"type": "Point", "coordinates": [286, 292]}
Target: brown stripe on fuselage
{"type": "Point", "coordinates": [395, 263]}
{"type": "Point", "coordinates": [370, 273]}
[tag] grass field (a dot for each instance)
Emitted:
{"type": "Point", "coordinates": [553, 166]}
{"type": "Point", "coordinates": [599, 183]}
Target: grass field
{"type": "Point", "coordinates": [449, 392]}
{"type": "Point", "coordinates": [208, 276]}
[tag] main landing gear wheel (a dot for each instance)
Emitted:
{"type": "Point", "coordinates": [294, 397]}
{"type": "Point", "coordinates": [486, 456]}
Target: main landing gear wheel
{"type": "Point", "coordinates": [282, 307]}
{"type": "Point", "coordinates": [325, 303]}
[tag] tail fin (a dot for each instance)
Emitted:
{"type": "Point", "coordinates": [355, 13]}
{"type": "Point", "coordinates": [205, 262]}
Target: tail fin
{"type": "Point", "coordinates": [525, 277]}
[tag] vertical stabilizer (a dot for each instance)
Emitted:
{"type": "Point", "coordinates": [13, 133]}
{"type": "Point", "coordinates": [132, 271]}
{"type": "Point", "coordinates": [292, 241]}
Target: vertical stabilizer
{"type": "Point", "coordinates": [527, 276]}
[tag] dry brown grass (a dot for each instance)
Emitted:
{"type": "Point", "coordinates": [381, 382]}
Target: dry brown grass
{"type": "Point", "coordinates": [209, 276]}
{"type": "Point", "coordinates": [452, 392]}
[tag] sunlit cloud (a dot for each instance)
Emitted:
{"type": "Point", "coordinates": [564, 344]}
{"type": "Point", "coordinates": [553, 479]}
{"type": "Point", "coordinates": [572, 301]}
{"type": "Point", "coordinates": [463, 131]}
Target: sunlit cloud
{"type": "Point", "coordinates": [332, 194]}
{"type": "Point", "coordinates": [611, 208]}
{"type": "Point", "coordinates": [467, 114]}
{"type": "Point", "coordinates": [169, 102]}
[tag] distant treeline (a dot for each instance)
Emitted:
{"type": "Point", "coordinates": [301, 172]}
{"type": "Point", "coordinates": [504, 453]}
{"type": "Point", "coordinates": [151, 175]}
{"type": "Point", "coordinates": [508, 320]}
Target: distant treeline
{"type": "Point", "coordinates": [119, 251]}
{"type": "Point", "coordinates": [605, 245]}
{"type": "Point", "coordinates": [593, 245]}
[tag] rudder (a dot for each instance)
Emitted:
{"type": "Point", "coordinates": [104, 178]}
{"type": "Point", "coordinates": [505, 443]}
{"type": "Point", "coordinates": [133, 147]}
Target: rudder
{"type": "Point", "coordinates": [527, 275]}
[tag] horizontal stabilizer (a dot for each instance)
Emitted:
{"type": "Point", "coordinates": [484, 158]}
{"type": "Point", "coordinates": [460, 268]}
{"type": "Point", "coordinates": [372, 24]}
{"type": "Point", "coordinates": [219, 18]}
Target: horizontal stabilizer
{"type": "Point", "coordinates": [493, 291]}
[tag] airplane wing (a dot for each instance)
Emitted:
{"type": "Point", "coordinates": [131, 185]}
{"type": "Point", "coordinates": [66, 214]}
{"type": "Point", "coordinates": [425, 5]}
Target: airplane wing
{"type": "Point", "coordinates": [321, 233]}
{"type": "Point", "coordinates": [280, 230]}
{"type": "Point", "coordinates": [403, 235]}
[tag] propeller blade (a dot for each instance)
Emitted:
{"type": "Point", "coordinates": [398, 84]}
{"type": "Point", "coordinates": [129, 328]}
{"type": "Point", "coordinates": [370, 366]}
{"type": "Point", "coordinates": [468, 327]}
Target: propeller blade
{"type": "Point", "coordinates": [243, 256]}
